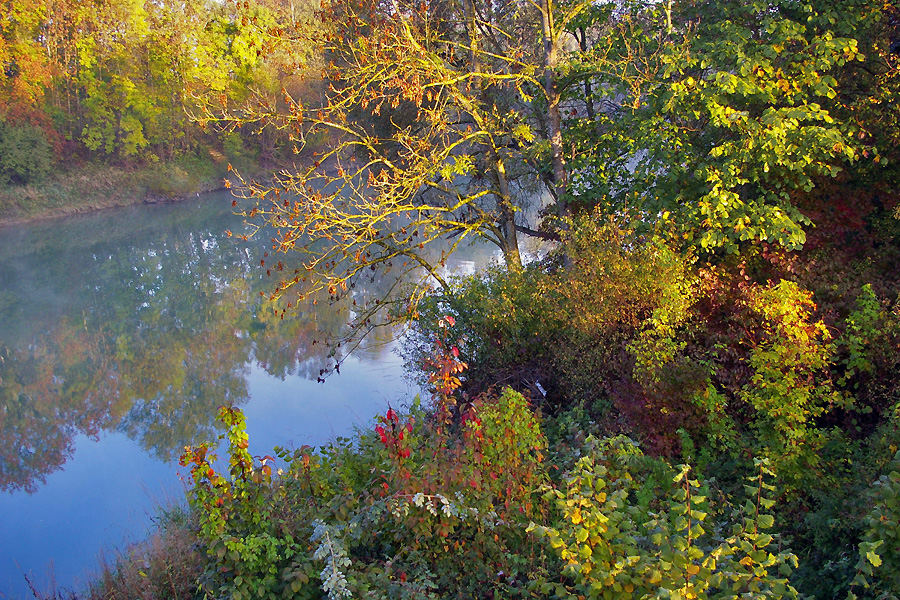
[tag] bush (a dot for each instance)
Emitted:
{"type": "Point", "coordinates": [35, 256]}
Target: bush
{"type": "Point", "coordinates": [25, 153]}
{"type": "Point", "coordinates": [413, 508]}
{"type": "Point", "coordinates": [633, 527]}
{"type": "Point", "coordinates": [565, 324]}
{"type": "Point", "coordinates": [505, 323]}
{"type": "Point", "coordinates": [878, 558]}
{"type": "Point", "coordinates": [256, 552]}
{"type": "Point", "coordinates": [869, 357]}
{"type": "Point", "coordinates": [424, 508]}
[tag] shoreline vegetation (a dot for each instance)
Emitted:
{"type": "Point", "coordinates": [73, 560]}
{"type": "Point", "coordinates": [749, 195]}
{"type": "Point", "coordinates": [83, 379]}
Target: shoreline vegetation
{"type": "Point", "coordinates": [770, 470]}
{"type": "Point", "coordinates": [501, 501]}
{"type": "Point", "coordinates": [91, 187]}
{"type": "Point", "coordinates": [694, 395]}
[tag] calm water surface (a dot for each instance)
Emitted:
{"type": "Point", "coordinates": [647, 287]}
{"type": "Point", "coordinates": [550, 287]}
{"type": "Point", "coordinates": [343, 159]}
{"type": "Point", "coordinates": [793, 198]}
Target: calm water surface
{"type": "Point", "coordinates": [120, 335]}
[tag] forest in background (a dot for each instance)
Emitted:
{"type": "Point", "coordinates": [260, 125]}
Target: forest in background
{"type": "Point", "coordinates": [694, 395]}
{"type": "Point", "coordinates": [106, 94]}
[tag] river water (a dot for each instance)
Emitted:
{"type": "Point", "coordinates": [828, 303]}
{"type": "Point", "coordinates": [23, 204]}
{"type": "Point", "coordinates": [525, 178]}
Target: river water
{"type": "Point", "coordinates": [121, 333]}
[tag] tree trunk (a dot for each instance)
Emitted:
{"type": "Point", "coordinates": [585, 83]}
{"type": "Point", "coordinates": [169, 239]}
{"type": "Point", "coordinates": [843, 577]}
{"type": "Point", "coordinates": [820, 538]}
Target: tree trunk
{"type": "Point", "coordinates": [588, 94]}
{"type": "Point", "coordinates": [554, 121]}
{"type": "Point", "coordinates": [510, 239]}
{"type": "Point", "coordinates": [472, 26]}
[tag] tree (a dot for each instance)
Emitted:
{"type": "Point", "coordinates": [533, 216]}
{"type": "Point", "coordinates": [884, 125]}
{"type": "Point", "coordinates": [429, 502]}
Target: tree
{"type": "Point", "coordinates": [24, 69]}
{"type": "Point", "coordinates": [440, 123]}
{"type": "Point", "coordinates": [719, 113]}
{"type": "Point", "coordinates": [25, 154]}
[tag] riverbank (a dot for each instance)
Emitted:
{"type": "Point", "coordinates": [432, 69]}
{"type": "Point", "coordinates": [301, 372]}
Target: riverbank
{"type": "Point", "coordinates": [495, 494]}
{"type": "Point", "coordinates": [90, 187]}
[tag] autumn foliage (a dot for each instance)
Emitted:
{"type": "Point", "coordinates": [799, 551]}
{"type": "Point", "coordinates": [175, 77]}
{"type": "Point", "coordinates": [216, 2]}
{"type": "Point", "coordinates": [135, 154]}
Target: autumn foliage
{"type": "Point", "coordinates": [691, 393]}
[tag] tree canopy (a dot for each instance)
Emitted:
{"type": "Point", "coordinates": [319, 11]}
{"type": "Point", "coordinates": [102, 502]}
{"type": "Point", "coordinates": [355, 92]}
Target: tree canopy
{"type": "Point", "coordinates": [713, 124]}
{"type": "Point", "coordinates": [120, 79]}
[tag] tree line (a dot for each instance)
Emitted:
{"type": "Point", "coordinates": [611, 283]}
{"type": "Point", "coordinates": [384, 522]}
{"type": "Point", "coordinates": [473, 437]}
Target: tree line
{"type": "Point", "coordinates": [118, 80]}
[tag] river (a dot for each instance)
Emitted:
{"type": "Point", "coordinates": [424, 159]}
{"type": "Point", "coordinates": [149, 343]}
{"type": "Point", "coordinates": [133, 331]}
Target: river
{"type": "Point", "coordinates": [121, 332]}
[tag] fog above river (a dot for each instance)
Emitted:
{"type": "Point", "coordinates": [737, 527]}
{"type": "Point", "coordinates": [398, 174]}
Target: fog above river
{"type": "Point", "coordinates": [122, 332]}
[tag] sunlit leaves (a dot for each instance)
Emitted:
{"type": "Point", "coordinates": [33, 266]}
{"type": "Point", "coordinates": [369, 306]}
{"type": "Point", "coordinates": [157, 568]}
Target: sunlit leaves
{"type": "Point", "coordinates": [615, 543]}
{"type": "Point", "coordinates": [739, 114]}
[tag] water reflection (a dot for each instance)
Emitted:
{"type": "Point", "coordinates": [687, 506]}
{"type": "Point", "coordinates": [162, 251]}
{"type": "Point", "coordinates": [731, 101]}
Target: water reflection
{"type": "Point", "coordinates": [142, 324]}
{"type": "Point", "coordinates": [120, 334]}
{"type": "Point", "coordinates": [104, 328]}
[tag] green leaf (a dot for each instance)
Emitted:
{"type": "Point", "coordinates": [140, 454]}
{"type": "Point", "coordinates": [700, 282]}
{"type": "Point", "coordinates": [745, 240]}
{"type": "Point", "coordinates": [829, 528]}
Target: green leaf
{"type": "Point", "coordinates": [873, 558]}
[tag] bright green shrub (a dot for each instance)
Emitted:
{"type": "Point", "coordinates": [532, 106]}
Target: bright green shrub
{"type": "Point", "coordinates": [751, 377]}
{"type": "Point", "coordinates": [828, 520]}
{"type": "Point", "coordinates": [624, 534]}
{"type": "Point", "coordinates": [790, 386]}
{"type": "Point", "coordinates": [25, 153]}
{"type": "Point", "coordinates": [507, 448]}
{"type": "Point", "coordinates": [860, 326]}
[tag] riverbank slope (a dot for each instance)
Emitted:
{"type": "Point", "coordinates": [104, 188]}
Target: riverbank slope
{"type": "Point", "coordinates": [93, 186]}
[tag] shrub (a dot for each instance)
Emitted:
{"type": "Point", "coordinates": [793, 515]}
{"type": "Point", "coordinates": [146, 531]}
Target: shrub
{"type": "Point", "coordinates": [450, 513]}
{"type": "Point", "coordinates": [625, 533]}
{"type": "Point", "coordinates": [878, 567]}
{"type": "Point", "coordinates": [505, 323]}
{"type": "Point", "coordinates": [185, 174]}
{"type": "Point", "coordinates": [417, 508]}
{"type": "Point", "coordinates": [790, 385]}
{"type": "Point", "coordinates": [255, 551]}
{"type": "Point", "coordinates": [869, 357]}
{"type": "Point", "coordinates": [25, 153]}
{"type": "Point", "coordinates": [236, 150]}
{"type": "Point", "coordinates": [565, 323]}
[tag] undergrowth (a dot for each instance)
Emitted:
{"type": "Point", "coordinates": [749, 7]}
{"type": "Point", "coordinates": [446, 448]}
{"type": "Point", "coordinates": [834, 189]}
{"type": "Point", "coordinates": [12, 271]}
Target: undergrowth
{"type": "Point", "coordinates": [485, 497]}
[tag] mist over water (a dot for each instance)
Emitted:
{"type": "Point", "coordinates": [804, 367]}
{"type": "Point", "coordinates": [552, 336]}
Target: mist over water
{"type": "Point", "coordinates": [121, 333]}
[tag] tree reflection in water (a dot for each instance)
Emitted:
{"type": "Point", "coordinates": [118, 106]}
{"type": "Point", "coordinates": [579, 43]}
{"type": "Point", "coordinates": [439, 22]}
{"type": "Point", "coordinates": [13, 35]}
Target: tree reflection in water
{"type": "Point", "coordinates": [141, 323]}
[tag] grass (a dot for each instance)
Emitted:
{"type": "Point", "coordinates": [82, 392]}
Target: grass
{"type": "Point", "coordinates": [166, 565]}
{"type": "Point", "coordinates": [95, 186]}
